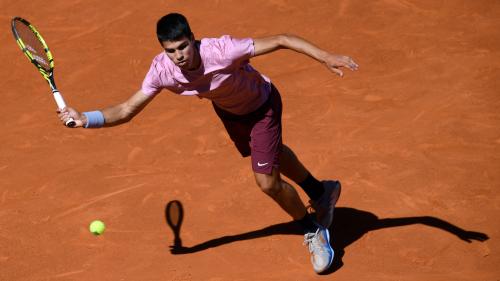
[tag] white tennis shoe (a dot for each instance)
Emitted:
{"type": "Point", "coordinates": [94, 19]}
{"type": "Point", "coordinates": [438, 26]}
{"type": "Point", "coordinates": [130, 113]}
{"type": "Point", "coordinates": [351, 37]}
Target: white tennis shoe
{"type": "Point", "coordinates": [321, 252]}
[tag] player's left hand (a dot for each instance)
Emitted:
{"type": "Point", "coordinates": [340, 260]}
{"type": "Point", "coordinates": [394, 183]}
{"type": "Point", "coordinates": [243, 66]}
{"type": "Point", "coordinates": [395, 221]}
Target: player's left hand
{"type": "Point", "coordinates": [335, 62]}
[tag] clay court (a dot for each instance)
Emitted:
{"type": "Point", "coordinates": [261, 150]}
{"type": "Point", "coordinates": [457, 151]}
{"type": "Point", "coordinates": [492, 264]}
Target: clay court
{"type": "Point", "coordinates": [414, 136]}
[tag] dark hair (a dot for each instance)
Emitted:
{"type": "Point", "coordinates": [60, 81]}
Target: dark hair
{"type": "Point", "coordinates": [172, 27]}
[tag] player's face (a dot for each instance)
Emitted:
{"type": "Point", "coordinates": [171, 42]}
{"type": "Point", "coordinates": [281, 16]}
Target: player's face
{"type": "Point", "coordinates": [182, 52]}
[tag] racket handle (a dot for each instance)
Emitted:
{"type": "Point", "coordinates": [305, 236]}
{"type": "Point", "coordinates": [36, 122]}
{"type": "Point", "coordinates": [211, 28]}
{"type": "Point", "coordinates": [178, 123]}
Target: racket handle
{"type": "Point", "coordinates": [61, 104]}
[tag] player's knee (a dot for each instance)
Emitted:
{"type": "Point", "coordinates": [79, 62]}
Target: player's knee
{"type": "Point", "coordinates": [269, 185]}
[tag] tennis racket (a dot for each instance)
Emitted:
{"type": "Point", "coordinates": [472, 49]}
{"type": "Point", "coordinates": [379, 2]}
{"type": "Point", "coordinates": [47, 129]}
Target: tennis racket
{"type": "Point", "coordinates": [36, 50]}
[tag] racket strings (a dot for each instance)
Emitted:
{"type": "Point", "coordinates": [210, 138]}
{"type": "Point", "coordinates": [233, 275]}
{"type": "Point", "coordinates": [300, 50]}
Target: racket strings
{"type": "Point", "coordinates": [33, 45]}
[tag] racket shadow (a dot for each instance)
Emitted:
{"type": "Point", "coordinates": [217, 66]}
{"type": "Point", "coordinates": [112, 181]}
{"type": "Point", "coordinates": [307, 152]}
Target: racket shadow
{"type": "Point", "coordinates": [174, 215]}
{"type": "Point", "coordinates": [288, 228]}
{"type": "Point", "coordinates": [349, 225]}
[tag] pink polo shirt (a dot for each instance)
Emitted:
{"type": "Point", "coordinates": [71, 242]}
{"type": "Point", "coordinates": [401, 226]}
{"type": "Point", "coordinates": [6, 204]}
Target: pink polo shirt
{"type": "Point", "coordinates": [224, 76]}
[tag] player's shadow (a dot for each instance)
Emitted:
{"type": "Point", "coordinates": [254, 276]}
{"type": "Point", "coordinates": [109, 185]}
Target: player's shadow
{"type": "Point", "coordinates": [349, 225]}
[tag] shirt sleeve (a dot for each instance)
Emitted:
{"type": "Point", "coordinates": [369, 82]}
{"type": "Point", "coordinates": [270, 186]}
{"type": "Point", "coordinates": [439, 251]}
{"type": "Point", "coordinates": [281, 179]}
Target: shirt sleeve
{"type": "Point", "coordinates": [151, 83]}
{"type": "Point", "coordinates": [237, 49]}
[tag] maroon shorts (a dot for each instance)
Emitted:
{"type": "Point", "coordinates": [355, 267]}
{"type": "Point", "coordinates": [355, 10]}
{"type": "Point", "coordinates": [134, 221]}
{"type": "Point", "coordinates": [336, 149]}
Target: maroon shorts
{"type": "Point", "coordinates": [257, 134]}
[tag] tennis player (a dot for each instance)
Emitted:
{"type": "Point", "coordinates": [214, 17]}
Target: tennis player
{"type": "Point", "coordinates": [249, 106]}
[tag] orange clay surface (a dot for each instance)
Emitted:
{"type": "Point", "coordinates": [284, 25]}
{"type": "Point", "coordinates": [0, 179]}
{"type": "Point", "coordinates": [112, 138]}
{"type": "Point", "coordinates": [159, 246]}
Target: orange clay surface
{"type": "Point", "coordinates": [413, 135]}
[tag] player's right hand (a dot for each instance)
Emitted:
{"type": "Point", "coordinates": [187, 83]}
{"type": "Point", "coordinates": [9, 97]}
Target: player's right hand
{"type": "Point", "coordinates": [68, 112]}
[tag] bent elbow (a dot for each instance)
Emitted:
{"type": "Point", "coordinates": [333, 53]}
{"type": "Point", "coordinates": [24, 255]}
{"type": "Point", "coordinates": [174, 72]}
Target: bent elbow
{"type": "Point", "coordinates": [282, 39]}
{"type": "Point", "coordinates": [285, 40]}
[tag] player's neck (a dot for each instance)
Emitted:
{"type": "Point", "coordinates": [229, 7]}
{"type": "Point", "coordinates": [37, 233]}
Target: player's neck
{"type": "Point", "coordinates": [197, 58]}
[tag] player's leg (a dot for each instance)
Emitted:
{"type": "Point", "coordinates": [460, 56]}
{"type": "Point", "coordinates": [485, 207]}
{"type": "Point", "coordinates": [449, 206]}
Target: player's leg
{"type": "Point", "coordinates": [323, 194]}
{"type": "Point", "coordinates": [291, 167]}
{"type": "Point", "coordinates": [266, 146]}
{"type": "Point", "coordinates": [281, 192]}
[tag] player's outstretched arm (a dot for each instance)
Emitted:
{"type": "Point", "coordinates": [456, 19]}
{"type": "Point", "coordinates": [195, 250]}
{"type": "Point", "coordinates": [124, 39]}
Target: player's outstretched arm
{"type": "Point", "coordinates": [112, 115]}
{"type": "Point", "coordinates": [334, 62]}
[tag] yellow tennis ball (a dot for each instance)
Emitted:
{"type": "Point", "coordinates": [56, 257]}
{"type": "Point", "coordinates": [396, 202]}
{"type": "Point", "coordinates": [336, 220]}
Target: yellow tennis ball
{"type": "Point", "coordinates": [97, 227]}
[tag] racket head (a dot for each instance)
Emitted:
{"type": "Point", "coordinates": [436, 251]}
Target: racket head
{"type": "Point", "coordinates": [33, 46]}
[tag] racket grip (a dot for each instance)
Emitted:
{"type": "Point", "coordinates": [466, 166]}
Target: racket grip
{"type": "Point", "coordinates": [61, 104]}
{"type": "Point", "coordinates": [59, 99]}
